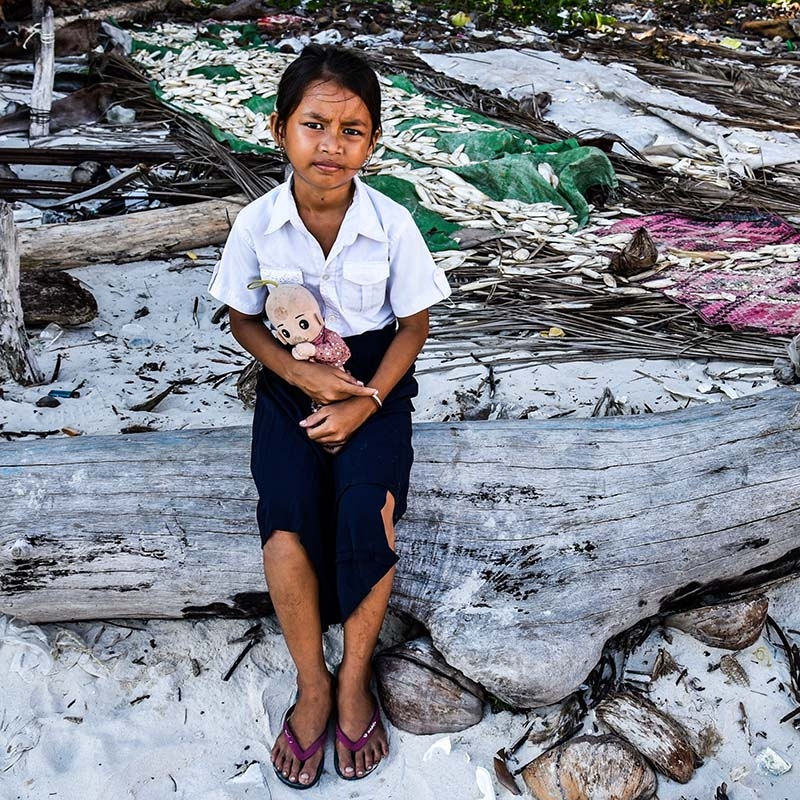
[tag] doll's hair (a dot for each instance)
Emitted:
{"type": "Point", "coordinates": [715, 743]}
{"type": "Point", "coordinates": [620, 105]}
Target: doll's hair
{"type": "Point", "coordinates": [278, 313]}
{"type": "Point", "coordinates": [318, 62]}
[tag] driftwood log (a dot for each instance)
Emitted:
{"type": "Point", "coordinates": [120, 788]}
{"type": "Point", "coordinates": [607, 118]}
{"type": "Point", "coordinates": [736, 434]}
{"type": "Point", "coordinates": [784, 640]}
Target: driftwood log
{"type": "Point", "coordinates": [526, 546]}
{"type": "Point", "coordinates": [133, 11]}
{"type": "Point", "coordinates": [17, 360]}
{"type": "Point", "coordinates": [131, 237]}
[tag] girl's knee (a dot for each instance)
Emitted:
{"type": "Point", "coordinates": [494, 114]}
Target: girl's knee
{"type": "Point", "coordinates": [387, 515]}
{"type": "Point", "coordinates": [360, 504]}
{"type": "Point", "coordinates": [281, 543]}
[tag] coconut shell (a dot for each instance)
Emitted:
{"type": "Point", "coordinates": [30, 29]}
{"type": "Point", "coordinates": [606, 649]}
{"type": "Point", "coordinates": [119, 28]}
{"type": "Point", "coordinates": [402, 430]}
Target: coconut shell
{"type": "Point", "coordinates": [638, 255]}
{"type": "Point", "coordinates": [653, 733]}
{"type": "Point", "coordinates": [731, 626]}
{"type": "Point", "coordinates": [590, 768]}
{"type": "Point", "coordinates": [421, 693]}
{"type": "Point", "coordinates": [55, 297]}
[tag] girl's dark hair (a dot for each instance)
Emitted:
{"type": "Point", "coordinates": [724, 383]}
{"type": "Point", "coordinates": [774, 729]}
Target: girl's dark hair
{"type": "Point", "coordinates": [317, 62]}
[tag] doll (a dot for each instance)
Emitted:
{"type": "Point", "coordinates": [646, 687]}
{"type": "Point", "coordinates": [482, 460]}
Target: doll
{"type": "Point", "coordinates": [296, 319]}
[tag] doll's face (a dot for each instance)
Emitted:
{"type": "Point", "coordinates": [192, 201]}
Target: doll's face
{"type": "Point", "coordinates": [305, 327]}
{"type": "Point", "coordinates": [294, 314]}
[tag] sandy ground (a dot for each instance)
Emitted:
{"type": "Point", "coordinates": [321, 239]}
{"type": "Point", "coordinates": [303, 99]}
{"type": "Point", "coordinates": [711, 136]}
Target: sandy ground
{"type": "Point", "coordinates": [139, 709]}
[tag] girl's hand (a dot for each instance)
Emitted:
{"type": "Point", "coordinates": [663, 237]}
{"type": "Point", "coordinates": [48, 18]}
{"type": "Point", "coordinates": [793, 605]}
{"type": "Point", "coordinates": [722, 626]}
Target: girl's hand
{"type": "Point", "coordinates": [334, 424]}
{"type": "Point", "coordinates": [326, 384]}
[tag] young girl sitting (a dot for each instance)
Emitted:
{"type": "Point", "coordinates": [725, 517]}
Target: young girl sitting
{"type": "Point", "coordinates": [327, 521]}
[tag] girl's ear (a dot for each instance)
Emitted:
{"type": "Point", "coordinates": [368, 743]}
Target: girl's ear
{"type": "Point", "coordinates": [375, 137]}
{"type": "Point", "coordinates": [278, 130]}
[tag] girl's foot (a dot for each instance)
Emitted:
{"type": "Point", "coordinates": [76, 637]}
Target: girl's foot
{"type": "Point", "coordinates": [308, 721]}
{"type": "Point", "coordinates": [355, 709]}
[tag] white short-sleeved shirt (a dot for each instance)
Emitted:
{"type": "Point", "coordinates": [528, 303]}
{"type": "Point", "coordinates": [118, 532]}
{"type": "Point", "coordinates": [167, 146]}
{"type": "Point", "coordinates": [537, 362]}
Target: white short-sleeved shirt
{"type": "Point", "coordinates": [379, 267]}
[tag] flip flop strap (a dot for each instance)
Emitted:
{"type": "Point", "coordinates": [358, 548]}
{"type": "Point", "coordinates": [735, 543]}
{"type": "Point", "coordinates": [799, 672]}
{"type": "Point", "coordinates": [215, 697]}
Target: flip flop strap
{"type": "Point", "coordinates": [352, 746]}
{"type": "Point", "coordinates": [294, 745]}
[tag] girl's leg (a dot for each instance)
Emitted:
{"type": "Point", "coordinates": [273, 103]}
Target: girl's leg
{"type": "Point", "coordinates": [354, 700]}
{"type": "Point", "coordinates": [294, 591]}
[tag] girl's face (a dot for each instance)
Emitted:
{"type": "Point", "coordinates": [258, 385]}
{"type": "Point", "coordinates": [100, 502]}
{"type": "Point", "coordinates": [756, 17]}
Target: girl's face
{"type": "Point", "coordinates": [327, 138]}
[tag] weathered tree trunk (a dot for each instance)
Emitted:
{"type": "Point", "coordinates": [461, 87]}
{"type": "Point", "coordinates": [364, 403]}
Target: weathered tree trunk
{"type": "Point", "coordinates": [526, 546]}
{"type": "Point", "coordinates": [132, 237]}
{"type": "Point", "coordinates": [16, 358]}
{"type": "Point", "coordinates": [134, 11]}
{"type": "Point", "coordinates": [44, 72]}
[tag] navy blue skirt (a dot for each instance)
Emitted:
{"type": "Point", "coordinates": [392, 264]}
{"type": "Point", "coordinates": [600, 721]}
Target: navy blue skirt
{"type": "Point", "coordinates": [334, 502]}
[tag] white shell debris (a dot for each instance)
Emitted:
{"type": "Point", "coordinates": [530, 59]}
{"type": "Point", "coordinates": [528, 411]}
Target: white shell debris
{"type": "Point", "coordinates": [770, 763]}
{"type": "Point", "coordinates": [485, 785]}
{"type": "Point", "coordinates": [442, 745]}
{"type": "Point", "coordinates": [548, 173]}
{"type": "Point", "coordinates": [409, 124]}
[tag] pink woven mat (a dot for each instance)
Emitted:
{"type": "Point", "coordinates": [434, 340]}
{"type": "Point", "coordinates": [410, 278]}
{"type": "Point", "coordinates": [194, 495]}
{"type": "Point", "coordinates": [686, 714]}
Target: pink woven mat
{"type": "Point", "coordinates": [766, 299]}
{"type": "Point", "coordinates": [726, 232]}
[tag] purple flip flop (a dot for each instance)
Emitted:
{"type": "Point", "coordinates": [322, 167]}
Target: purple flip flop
{"type": "Point", "coordinates": [354, 747]}
{"type": "Point", "coordinates": [300, 754]}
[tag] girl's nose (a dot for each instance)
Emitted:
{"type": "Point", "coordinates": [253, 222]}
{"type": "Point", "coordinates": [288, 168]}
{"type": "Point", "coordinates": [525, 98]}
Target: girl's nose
{"type": "Point", "coordinates": [330, 143]}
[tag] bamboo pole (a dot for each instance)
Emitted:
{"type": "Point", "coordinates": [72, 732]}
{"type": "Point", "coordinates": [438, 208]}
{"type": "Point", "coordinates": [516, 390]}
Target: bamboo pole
{"type": "Point", "coordinates": [44, 72]}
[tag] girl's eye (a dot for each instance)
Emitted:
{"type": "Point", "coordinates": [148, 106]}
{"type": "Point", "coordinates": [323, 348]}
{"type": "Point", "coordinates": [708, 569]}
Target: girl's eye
{"type": "Point", "coordinates": [313, 125]}
{"type": "Point", "coordinates": [352, 132]}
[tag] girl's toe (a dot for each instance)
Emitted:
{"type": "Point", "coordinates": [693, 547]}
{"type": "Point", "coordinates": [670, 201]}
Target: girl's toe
{"type": "Point", "coordinates": [361, 767]}
{"type": "Point", "coordinates": [346, 765]}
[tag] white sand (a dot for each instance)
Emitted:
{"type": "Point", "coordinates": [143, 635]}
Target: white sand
{"type": "Point", "coordinates": [139, 709]}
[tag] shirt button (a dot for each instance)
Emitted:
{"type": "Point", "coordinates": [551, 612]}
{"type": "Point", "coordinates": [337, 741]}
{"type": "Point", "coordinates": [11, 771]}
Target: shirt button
{"type": "Point", "coordinates": [326, 277]}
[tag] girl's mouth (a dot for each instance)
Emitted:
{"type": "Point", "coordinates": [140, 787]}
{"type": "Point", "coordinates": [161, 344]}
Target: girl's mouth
{"type": "Point", "coordinates": [327, 166]}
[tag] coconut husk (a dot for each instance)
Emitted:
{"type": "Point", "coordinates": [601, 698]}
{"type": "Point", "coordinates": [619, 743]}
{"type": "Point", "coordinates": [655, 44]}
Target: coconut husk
{"type": "Point", "coordinates": [591, 767]}
{"type": "Point", "coordinates": [55, 297]}
{"type": "Point", "coordinates": [732, 626]}
{"type": "Point", "coordinates": [638, 255]}
{"type": "Point", "coordinates": [421, 693]}
{"type": "Point", "coordinates": [653, 733]}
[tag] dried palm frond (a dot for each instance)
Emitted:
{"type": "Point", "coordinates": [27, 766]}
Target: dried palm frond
{"type": "Point", "coordinates": [528, 275]}
{"type": "Point", "coordinates": [755, 99]}
{"type": "Point", "coordinates": [643, 185]}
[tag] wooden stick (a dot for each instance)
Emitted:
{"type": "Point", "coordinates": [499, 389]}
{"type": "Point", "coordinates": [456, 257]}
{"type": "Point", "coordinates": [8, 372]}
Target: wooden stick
{"type": "Point", "coordinates": [42, 91]}
{"type": "Point", "coordinates": [16, 359]}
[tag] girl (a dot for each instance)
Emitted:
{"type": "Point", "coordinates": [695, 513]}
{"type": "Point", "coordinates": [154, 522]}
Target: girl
{"type": "Point", "coordinates": [327, 521]}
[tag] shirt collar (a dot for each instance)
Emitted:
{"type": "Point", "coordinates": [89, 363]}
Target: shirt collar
{"type": "Point", "coordinates": [361, 218]}
{"type": "Point", "coordinates": [284, 209]}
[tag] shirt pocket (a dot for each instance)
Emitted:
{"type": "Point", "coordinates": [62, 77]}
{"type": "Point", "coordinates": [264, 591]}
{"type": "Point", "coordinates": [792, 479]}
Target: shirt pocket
{"type": "Point", "coordinates": [364, 285]}
{"type": "Point", "coordinates": [280, 274]}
